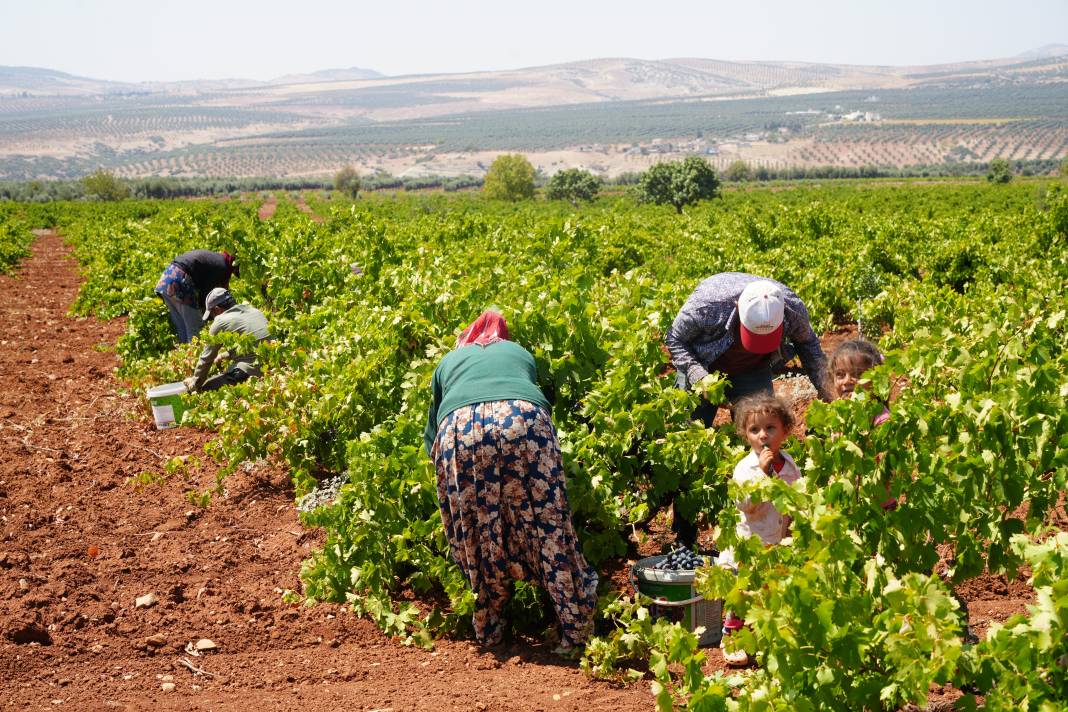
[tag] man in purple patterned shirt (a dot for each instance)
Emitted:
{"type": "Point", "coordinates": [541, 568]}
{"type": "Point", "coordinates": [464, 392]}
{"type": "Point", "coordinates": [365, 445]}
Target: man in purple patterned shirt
{"type": "Point", "coordinates": [742, 325]}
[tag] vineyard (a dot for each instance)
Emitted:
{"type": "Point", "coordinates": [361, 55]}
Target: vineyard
{"type": "Point", "coordinates": [961, 286]}
{"type": "Point", "coordinates": [152, 136]}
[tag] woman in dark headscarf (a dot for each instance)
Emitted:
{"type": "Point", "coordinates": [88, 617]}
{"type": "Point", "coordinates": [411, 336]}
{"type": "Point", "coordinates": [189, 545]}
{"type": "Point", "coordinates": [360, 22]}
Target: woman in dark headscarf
{"type": "Point", "coordinates": [185, 284]}
{"type": "Point", "coordinates": [501, 483]}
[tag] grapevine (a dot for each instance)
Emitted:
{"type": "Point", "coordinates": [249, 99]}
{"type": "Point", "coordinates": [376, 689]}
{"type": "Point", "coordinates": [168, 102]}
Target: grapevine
{"type": "Point", "coordinates": [962, 285]}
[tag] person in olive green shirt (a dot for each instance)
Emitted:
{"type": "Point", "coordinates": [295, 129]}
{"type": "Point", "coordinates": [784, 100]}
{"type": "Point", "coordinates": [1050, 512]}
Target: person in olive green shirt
{"type": "Point", "coordinates": [228, 316]}
{"type": "Point", "coordinates": [501, 487]}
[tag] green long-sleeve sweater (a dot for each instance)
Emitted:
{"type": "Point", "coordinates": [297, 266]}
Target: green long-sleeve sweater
{"type": "Point", "coordinates": [477, 374]}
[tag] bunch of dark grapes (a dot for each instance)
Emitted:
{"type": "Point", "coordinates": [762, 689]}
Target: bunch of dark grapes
{"type": "Point", "coordinates": [681, 559]}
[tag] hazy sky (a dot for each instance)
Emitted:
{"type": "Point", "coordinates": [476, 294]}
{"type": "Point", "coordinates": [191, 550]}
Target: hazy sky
{"type": "Point", "coordinates": [135, 40]}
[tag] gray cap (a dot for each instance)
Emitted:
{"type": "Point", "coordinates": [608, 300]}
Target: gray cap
{"type": "Point", "coordinates": [218, 297]}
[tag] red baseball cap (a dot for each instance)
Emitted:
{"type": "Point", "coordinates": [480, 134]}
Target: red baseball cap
{"type": "Point", "coordinates": [760, 310]}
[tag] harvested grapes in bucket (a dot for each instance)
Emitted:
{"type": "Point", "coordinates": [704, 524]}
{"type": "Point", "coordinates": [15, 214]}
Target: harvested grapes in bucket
{"type": "Point", "coordinates": [682, 559]}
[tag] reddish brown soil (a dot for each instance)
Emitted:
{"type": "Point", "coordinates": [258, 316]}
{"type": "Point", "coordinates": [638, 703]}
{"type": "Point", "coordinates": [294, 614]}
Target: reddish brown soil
{"type": "Point", "coordinates": [267, 207]}
{"type": "Point", "coordinates": [78, 545]}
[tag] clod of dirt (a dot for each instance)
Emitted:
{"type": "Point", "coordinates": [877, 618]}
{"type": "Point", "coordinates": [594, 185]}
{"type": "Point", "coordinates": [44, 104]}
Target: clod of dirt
{"type": "Point", "coordinates": [156, 641]}
{"type": "Point", "coordinates": [28, 631]}
{"type": "Point", "coordinates": [167, 687]}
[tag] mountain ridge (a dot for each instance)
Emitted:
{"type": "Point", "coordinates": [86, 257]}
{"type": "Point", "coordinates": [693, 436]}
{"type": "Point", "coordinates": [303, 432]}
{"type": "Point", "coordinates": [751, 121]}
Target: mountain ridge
{"type": "Point", "coordinates": [691, 74]}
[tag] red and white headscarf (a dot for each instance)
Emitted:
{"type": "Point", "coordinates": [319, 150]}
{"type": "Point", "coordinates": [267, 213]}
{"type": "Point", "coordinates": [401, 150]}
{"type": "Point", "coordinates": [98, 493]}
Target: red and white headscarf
{"type": "Point", "coordinates": [489, 328]}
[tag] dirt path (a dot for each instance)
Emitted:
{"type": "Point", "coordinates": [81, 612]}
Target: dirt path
{"type": "Point", "coordinates": [307, 209]}
{"type": "Point", "coordinates": [267, 208]}
{"type": "Point", "coordinates": [79, 545]}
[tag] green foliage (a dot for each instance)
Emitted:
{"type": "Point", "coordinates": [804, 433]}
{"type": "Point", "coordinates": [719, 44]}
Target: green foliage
{"type": "Point", "coordinates": [510, 177]}
{"type": "Point", "coordinates": [678, 184]}
{"type": "Point", "coordinates": [674, 660]}
{"type": "Point", "coordinates": [1023, 663]}
{"type": "Point", "coordinates": [830, 624]}
{"type": "Point", "coordinates": [198, 499]}
{"type": "Point", "coordinates": [347, 182]}
{"type": "Point", "coordinates": [103, 185]}
{"type": "Point", "coordinates": [16, 236]}
{"type": "Point", "coordinates": [959, 283]}
{"type": "Point", "coordinates": [1000, 171]}
{"type": "Point", "coordinates": [573, 185]}
{"type": "Point", "coordinates": [144, 479]}
{"type": "Point", "coordinates": [738, 171]}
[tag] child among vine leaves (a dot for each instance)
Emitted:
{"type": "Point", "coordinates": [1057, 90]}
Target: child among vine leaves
{"type": "Point", "coordinates": [848, 364]}
{"type": "Point", "coordinates": [764, 421]}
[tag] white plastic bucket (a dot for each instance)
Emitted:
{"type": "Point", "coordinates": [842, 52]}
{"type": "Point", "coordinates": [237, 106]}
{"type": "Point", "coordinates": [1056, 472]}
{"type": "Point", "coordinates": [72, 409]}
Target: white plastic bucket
{"type": "Point", "coordinates": [675, 599]}
{"type": "Point", "coordinates": [166, 401]}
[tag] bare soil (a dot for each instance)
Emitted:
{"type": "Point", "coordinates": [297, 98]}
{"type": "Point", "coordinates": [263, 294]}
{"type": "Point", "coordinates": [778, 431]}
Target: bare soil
{"type": "Point", "coordinates": [79, 543]}
{"type": "Point", "coordinates": [267, 208]}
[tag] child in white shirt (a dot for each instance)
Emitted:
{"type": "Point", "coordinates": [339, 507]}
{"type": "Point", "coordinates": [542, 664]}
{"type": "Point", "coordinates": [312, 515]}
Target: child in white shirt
{"type": "Point", "coordinates": [764, 421]}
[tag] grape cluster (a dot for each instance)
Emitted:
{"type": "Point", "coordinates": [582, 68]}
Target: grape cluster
{"type": "Point", "coordinates": [681, 559]}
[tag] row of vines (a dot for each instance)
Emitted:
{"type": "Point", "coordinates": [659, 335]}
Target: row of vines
{"type": "Point", "coordinates": [962, 285]}
{"type": "Point", "coordinates": [16, 235]}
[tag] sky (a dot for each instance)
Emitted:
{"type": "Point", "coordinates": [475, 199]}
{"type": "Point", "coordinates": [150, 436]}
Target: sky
{"type": "Point", "coordinates": [166, 40]}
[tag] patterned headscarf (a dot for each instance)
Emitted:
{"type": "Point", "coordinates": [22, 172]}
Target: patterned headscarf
{"type": "Point", "coordinates": [489, 328]}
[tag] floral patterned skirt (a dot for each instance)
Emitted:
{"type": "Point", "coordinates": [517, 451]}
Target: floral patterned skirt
{"type": "Point", "coordinates": [506, 514]}
{"type": "Point", "coordinates": [178, 285]}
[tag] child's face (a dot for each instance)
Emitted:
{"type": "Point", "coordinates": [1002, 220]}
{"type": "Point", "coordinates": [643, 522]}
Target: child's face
{"type": "Point", "coordinates": [846, 372]}
{"type": "Point", "coordinates": [765, 429]}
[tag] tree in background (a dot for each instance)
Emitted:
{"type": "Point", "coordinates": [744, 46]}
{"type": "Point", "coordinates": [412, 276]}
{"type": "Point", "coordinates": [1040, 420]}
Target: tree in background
{"type": "Point", "coordinates": [678, 184]}
{"type": "Point", "coordinates": [510, 177]}
{"type": "Point", "coordinates": [573, 185]}
{"type": "Point", "coordinates": [1000, 171]}
{"type": "Point", "coordinates": [347, 181]}
{"type": "Point", "coordinates": [738, 171]}
{"type": "Point", "coordinates": [103, 185]}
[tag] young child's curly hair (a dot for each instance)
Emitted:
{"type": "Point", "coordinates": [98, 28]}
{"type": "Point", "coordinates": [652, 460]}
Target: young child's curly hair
{"type": "Point", "coordinates": [762, 404]}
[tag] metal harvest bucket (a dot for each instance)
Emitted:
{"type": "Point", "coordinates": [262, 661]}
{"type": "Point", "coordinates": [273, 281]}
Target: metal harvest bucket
{"type": "Point", "coordinates": [675, 599]}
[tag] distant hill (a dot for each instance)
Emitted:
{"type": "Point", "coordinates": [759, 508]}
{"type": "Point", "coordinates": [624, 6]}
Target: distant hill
{"type": "Point", "coordinates": [368, 93]}
{"type": "Point", "coordinates": [328, 75]}
{"type": "Point", "coordinates": [610, 115]}
{"type": "Point", "coordinates": [1045, 52]}
{"type": "Point", "coordinates": [37, 81]}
